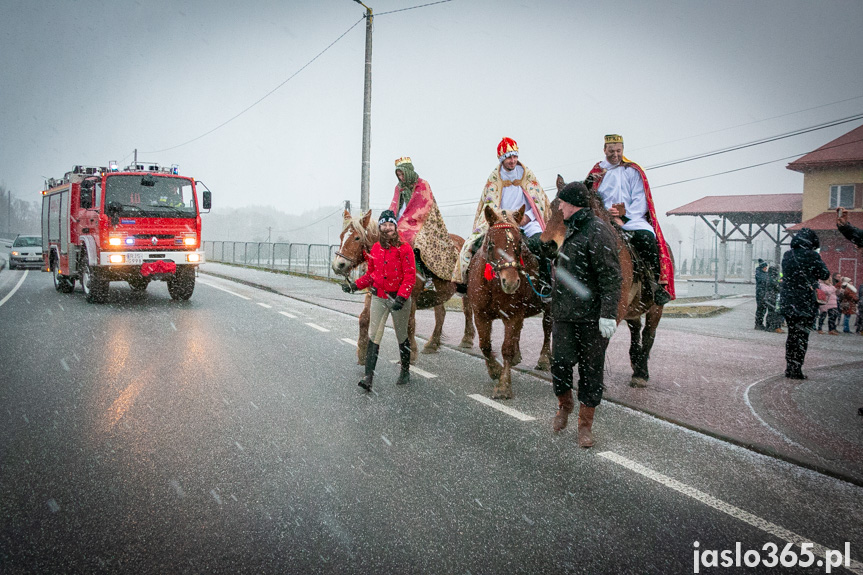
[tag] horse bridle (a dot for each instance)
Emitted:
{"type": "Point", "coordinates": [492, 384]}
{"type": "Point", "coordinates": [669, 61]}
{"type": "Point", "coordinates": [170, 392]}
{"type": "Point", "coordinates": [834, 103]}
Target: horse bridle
{"type": "Point", "coordinates": [497, 266]}
{"type": "Point", "coordinates": [354, 262]}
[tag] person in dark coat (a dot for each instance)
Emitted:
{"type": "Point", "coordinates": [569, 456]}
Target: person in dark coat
{"type": "Point", "coordinates": [584, 300]}
{"type": "Point", "coordinates": [802, 267]}
{"type": "Point", "coordinates": [760, 288]}
{"type": "Point", "coordinates": [391, 276]}
{"type": "Point", "coordinates": [772, 286]}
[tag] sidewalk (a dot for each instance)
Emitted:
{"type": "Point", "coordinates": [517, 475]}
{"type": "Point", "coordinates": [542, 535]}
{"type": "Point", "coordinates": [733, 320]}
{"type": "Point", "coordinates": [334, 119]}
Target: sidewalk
{"type": "Point", "coordinates": [715, 374]}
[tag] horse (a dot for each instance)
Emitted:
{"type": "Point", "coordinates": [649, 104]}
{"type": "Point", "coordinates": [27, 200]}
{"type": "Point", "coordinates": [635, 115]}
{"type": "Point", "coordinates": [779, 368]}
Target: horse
{"type": "Point", "coordinates": [633, 301]}
{"type": "Point", "coordinates": [356, 240]}
{"type": "Point", "coordinates": [495, 290]}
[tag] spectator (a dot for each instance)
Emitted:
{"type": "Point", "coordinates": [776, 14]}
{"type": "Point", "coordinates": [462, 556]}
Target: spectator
{"type": "Point", "coordinates": [855, 236]}
{"type": "Point", "coordinates": [847, 302]}
{"type": "Point", "coordinates": [760, 284]}
{"type": "Point", "coordinates": [802, 267]}
{"type": "Point", "coordinates": [772, 286]}
{"type": "Point", "coordinates": [829, 309]}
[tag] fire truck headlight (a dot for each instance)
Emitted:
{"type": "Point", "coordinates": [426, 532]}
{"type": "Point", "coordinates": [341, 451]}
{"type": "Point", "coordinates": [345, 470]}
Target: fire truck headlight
{"type": "Point", "coordinates": [190, 241]}
{"type": "Point", "coordinates": [193, 257]}
{"type": "Point", "coordinates": [115, 241]}
{"type": "Point", "coordinates": [116, 258]}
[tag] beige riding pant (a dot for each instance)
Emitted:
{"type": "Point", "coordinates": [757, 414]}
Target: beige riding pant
{"type": "Point", "coordinates": [380, 309]}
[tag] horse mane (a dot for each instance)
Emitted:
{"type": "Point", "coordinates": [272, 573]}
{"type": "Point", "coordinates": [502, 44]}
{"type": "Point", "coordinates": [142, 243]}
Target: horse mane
{"type": "Point", "coordinates": [368, 236]}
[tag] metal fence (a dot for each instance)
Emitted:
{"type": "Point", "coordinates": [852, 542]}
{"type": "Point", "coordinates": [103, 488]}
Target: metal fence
{"type": "Point", "coordinates": [310, 259]}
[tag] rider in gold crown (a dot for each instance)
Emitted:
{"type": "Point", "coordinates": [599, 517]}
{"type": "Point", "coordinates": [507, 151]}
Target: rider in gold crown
{"type": "Point", "coordinates": [623, 187]}
{"type": "Point", "coordinates": [421, 225]}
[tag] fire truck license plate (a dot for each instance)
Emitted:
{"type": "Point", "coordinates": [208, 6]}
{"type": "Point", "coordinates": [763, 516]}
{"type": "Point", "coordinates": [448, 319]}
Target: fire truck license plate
{"type": "Point", "coordinates": [134, 259]}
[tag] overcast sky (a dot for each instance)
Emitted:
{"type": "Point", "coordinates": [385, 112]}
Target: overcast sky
{"type": "Point", "coordinates": [89, 81]}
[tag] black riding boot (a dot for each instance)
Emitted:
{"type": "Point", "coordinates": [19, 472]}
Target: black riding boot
{"type": "Point", "coordinates": [371, 361]}
{"type": "Point", "coordinates": [405, 357]}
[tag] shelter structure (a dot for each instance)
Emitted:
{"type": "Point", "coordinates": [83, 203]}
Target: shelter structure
{"type": "Point", "coordinates": [833, 178]}
{"type": "Point", "coordinates": [743, 218]}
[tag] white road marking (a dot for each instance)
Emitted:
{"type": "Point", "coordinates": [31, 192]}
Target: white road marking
{"type": "Point", "coordinates": [417, 370]}
{"type": "Point", "coordinates": [317, 327]}
{"type": "Point", "coordinates": [500, 407]}
{"type": "Point", "coordinates": [14, 289]}
{"type": "Point", "coordinates": [264, 305]}
{"type": "Point", "coordinates": [223, 289]}
{"type": "Point", "coordinates": [349, 340]}
{"type": "Point", "coordinates": [286, 314]}
{"type": "Point", "coordinates": [735, 512]}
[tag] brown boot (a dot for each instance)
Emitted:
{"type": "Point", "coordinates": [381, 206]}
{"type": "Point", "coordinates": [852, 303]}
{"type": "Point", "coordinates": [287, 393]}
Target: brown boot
{"type": "Point", "coordinates": [565, 405]}
{"type": "Point", "coordinates": [585, 422]}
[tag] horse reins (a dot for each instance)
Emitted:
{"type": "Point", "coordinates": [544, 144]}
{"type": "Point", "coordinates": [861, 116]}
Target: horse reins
{"type": "Point", "coordinates": [510, 242]}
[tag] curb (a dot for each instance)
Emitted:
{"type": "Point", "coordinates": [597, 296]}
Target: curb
{"type": "Point", "coordinates": [751, 446]}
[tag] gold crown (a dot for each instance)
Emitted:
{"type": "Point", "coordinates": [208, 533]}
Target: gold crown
{"type": "Point", "coordinates": [403, 160]}
{"type": "Point", "coordinates": [613, 139]}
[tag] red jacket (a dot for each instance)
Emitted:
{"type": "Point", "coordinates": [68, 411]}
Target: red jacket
{"type": "Point", "coordinates": [390, 270]}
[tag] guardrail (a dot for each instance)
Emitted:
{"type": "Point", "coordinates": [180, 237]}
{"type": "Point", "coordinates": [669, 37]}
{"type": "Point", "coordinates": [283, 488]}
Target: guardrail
{"type": "Point", "coordinates": [309, 259]}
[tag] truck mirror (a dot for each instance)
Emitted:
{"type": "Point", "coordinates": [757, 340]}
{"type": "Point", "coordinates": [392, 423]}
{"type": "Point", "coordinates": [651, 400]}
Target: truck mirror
{"type": "Point", "coordinates": [208, 199]}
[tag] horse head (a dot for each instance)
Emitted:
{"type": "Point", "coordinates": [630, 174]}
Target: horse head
{"type": "Point", "coordinates": [503, 246]}
{"type": "Point", "coordinates": [357, 238]}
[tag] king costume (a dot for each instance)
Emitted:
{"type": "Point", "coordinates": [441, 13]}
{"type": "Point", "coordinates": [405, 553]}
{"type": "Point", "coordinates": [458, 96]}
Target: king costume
{"type": "Point", "coordinates": [506, 190]}
{"type": "Point", "coordinates": [626, 183]}
{"type": "Point", "coordinates": [420, 223]}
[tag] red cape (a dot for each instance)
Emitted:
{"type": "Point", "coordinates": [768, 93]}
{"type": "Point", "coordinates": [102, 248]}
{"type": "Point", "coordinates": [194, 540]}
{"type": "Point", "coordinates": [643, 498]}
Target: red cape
{"type": "Point", "coordinates": [666, 264]}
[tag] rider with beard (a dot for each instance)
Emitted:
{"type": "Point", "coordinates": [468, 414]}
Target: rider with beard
{"type": "Point", "coordinates": [391, 275]}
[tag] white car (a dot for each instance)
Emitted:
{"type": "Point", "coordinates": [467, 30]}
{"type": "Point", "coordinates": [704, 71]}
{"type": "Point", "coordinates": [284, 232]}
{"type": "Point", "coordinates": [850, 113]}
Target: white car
{"type": "Point", "coordinates": [26, 252]}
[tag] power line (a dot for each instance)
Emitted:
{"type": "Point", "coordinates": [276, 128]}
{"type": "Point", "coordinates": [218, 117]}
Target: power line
{"type": "Point", "coordinates": [757, 142]}
{"type": "Point", "coordinates": [753, 165]}
{"type": "Point", "coordinates": [261, 99]}
{"type": "Point", "coordinates": [412, 7]}
{"type": "Point", "coordinates": [313, 223]}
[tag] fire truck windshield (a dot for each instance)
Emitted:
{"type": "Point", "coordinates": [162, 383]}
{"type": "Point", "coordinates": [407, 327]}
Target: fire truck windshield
{"type": "Point", "coordinates": [151, 195]}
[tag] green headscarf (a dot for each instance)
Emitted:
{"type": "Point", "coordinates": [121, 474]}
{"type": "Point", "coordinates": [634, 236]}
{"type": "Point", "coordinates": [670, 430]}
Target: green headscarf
{"type": "Point", "coordinates": [406, 187]}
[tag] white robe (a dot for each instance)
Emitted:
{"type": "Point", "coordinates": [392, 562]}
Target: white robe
{"type": "Point", "coordinates": [512, 199]}
{"type": "Point", "coordinates": [622, 184]}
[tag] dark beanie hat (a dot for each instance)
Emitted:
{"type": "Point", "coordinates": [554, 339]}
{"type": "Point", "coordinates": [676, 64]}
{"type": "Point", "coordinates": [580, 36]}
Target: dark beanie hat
{"type": "Point", "coordinates": [575, 193]}
{"type": "Point", "coordinates": [387, 216]}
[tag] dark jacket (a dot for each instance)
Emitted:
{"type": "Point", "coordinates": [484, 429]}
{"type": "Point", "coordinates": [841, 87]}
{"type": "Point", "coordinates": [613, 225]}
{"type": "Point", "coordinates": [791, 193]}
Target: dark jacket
{"type": "Point", "coordinates": [802, 267]}
{"type": "Point", "coordinates": [587, 273]}
{"type": "Point", "coordinates": [760, 283]}
{"type": "Point", "coordinates": [390, 270]}
{"type": "Point", "coordinates": [854, 235]}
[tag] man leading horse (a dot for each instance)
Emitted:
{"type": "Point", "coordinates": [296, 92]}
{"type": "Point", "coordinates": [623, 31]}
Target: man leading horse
{"type": "Point", "coordinates": [623, 187]}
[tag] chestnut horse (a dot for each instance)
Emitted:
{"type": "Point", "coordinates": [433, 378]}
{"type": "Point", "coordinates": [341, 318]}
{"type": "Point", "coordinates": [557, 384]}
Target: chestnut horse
{"type": "Point", "coordinates": [356, 240]}
{"type": "Point", "coordinates": [495, 290]}
{"type": "Point", "coordinates": [633, 301]}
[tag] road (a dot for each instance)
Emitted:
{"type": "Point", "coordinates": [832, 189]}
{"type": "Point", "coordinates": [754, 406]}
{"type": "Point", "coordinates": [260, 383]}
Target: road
{"type": "Point", "coordinates": [227, 435]}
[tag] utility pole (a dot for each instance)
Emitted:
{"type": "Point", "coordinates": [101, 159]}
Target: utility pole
{"type": "Point", "coordinates": [367, 112]}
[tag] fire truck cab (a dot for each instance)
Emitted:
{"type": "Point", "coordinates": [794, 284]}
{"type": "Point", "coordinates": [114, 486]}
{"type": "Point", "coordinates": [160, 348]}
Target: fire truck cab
{"type": "Point", "coordinates": [138, 225]}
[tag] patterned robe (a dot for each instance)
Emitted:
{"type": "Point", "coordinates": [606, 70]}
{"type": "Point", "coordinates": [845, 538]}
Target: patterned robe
{"type": "Point", "coordinates": [666, 265]}
{"type": "Point", "coordinates": [422, 226]}
{"type": "Point", "coordinates": [492, 194]}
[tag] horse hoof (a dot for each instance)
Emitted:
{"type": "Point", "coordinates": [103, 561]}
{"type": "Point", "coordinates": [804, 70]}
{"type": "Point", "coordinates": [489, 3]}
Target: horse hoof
{"type": "Point", "coordinates": [501, 394]}
{"type": "Point", "coordinates": [430, 348]}
{"type": "Point", "coordinates": [638, 382]}
{"type": "Point", "coordinates": [543, 364]}
{"type": "Point", "coordinates": [466, 344]}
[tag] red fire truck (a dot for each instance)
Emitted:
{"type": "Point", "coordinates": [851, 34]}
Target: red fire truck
{"type": "Point", "coordinates": [138, 225]}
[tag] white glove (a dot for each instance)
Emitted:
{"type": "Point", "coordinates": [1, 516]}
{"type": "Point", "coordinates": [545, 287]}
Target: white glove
{"type": "Point", "coordinates": [607, 327]}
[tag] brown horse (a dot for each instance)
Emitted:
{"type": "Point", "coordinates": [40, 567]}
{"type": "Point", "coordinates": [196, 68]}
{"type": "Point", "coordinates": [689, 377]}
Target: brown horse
{"type": "Point", "coordinates": [356, 240]}
{"type": "Point", "coordinates": [634, 302]}
{"type": "Point", "coordinates": [495, 290]}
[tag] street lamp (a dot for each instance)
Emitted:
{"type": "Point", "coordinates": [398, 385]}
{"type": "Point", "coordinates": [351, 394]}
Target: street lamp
{"type": "Point", "coordinates": [716, 258]}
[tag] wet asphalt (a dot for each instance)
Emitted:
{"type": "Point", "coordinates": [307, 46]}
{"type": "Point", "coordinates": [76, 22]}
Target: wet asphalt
{"type": "Point", "coordinates": [227, 435]}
